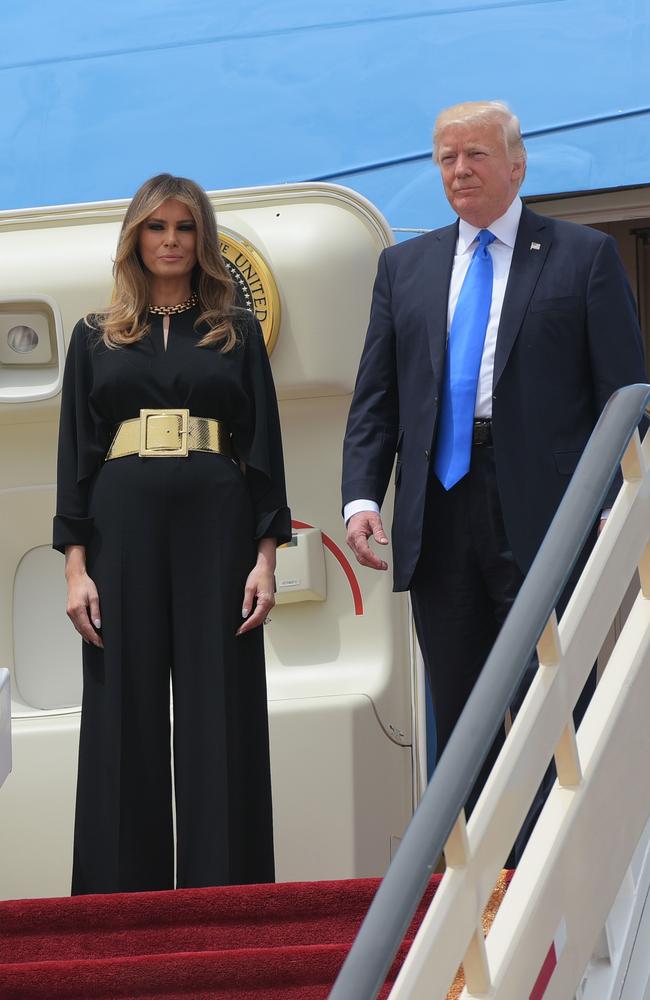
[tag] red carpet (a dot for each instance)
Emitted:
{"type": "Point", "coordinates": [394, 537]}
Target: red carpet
{"type": "Point", "coordinates": [259, 942]}
{"type": "Point", "coordinates": [281, 942]}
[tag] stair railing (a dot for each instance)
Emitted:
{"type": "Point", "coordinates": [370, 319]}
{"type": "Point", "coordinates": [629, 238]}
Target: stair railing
{"type": "Point", "coordinates": [583, 841]}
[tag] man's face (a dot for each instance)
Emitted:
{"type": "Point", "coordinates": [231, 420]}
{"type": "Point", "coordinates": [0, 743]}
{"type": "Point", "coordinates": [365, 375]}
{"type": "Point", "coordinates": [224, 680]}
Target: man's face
{"type": "Point", "coordinates": [478, 173]}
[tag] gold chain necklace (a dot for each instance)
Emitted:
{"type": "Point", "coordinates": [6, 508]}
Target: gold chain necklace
{"type": "Point", "coordinates": [181, 307]}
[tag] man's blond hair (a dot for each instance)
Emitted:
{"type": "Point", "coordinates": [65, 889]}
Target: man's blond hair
{"type": "Point", "coordinates": [486, 113]}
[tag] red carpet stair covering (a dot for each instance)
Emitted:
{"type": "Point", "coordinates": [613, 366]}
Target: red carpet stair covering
{"type": "Point", "coordinates": [261, 942]}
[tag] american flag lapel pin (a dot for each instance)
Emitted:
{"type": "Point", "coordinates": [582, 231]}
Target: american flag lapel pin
{"type": "Point", "coordinates": [535, 246]}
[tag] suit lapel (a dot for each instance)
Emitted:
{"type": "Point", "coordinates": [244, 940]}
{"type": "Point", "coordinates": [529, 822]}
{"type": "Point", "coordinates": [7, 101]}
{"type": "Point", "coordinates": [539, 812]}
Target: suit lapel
{"type": "Point", "coordinates": [436, 275]}
{"type": "Point", "coordinates": [533, 241]}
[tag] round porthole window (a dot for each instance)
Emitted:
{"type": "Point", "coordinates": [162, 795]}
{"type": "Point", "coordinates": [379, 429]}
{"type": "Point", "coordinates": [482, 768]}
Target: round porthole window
{"type": "Point", "coordinates": [22, 339]}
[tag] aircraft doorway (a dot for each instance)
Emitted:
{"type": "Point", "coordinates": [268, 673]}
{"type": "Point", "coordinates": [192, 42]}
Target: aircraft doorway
{"type": "Point", "coordinates": [625, 215]}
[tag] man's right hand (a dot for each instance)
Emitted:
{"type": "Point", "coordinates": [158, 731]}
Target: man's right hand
{"type": "Point", "coordinates": [361, 527]}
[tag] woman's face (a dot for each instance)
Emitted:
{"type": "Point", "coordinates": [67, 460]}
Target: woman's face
{"type": "Point", "coordinates": [167, 240]}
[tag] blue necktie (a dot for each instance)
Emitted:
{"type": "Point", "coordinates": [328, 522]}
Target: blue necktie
{"type": "Point", "coordinates": [462, 365]}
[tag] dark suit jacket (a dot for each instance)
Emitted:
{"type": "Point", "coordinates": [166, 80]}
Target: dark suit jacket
{"type": "Point", "coordinates": [567, 339]}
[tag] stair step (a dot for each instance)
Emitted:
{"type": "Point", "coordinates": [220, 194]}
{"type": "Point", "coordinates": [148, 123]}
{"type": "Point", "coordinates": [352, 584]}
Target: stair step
{"type": "Point", "coordinates": [261, 942]}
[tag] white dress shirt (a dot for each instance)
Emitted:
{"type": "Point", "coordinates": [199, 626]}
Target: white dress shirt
{"type": "Point", "coordinates": [505, 230]}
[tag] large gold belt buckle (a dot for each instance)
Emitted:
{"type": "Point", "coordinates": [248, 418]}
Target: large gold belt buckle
{"type": "Point", "coordinates": [164, 433]}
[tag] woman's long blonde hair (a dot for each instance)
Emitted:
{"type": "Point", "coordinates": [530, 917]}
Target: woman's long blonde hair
{"type": "Point", "coordinates": [125, 320]}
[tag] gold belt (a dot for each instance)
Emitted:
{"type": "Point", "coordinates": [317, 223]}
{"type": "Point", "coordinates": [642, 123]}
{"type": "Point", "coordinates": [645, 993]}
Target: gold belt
{"type": "Point", "coordinates": [169, 433]}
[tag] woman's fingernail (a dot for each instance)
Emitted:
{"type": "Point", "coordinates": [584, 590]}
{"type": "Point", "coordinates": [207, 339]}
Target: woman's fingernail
{"type": "Point", "coordinates": [97, 622]}
{"type": "Point", "coordinates": [244, 612]}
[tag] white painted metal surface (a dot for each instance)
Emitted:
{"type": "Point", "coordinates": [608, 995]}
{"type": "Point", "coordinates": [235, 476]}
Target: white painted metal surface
{"type": "Point", "coordinates": [619, 968]}
{"type": "Point", "coordinates": [340, 682]}
{"type": "Point", "coordinates": [38, 374]}
{"type": "Point", "coordinates": [5, 724]}
{"type": "Point", "coordinates": [577, 859]}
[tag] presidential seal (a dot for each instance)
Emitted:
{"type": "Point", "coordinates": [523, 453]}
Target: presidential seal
{"type": "Point", "coordinates": [256, 287]}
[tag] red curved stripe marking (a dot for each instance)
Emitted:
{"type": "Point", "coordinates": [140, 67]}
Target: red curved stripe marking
{"type": "Point", "coordinates": [330, 544]}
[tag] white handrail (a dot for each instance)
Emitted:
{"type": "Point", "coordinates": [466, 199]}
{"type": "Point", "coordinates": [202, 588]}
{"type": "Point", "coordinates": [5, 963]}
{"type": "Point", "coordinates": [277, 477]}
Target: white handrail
{"type": "Point", "coordinates": [579, 851]}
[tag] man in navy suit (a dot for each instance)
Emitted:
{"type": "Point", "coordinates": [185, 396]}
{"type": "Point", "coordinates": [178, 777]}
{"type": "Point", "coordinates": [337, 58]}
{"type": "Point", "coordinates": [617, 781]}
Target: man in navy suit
{"type": "Point", "coordinates": [560, 336]}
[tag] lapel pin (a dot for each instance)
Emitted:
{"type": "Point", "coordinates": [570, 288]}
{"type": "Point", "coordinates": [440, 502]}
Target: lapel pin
{"type": "Point", "coordinates": [535, 246]}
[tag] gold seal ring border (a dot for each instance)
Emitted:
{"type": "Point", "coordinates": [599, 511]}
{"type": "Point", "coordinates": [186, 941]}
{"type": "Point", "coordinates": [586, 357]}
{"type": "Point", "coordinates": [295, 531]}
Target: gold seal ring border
{"type": "Point", "coordinates": [233, 247]}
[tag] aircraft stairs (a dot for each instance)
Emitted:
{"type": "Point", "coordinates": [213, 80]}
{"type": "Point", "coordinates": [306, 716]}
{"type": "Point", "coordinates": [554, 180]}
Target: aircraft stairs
{"type": "Point", "coordinates": [575, 920]}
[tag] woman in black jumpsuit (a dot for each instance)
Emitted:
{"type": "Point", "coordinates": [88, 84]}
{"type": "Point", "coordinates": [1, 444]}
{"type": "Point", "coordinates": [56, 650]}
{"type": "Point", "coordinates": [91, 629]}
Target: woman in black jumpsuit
{"type": "Point", "coordinates": [178, 553]}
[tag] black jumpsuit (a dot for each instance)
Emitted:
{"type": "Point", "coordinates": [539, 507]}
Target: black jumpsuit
{"type": "Point", "coordinates": [169, 544]}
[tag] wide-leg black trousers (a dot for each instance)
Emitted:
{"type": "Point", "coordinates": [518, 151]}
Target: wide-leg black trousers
{"type": "Point", "coordinates": [172, 547]}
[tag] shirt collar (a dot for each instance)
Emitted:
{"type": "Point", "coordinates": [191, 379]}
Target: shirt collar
{"type": "Point", "coordinates": [504, 228]}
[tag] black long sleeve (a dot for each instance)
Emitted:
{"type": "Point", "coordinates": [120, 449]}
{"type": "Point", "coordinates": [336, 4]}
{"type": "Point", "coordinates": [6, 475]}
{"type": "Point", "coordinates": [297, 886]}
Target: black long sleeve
{"type": "Point", "coordinates": [260, 445]}
{"type": "Point", "coordinates": [77, 444]}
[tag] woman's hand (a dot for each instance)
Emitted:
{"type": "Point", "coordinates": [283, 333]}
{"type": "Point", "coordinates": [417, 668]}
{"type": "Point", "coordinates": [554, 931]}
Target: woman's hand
{"type": "Point", "coordinates": [83, 600]}
{"type": "Point", "coordinates": [259, 596]}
